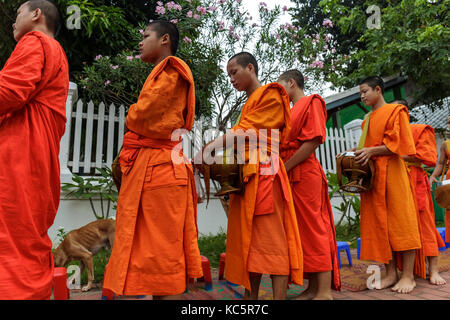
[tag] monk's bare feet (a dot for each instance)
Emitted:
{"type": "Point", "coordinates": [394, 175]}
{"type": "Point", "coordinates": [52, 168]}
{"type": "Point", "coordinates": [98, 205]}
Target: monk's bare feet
{"type": "Point", "coordinates": [323, 297]}
{"type": "Point", "coordinates": [388, 281]}
{"type": "Point", "coordinates": [405, 285]}
{"type": "Point", "coordinates": [306, 295]}
{"type": "Point", "coordinates": [436, 279]}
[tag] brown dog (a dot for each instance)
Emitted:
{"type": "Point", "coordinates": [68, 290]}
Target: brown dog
{"type": "Point", "coordinates": [82, 244]}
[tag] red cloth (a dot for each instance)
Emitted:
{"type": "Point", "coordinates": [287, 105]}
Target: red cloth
{"type": "Point", "coordinates": [33, 91]}
{"type": "Point", "coordinates": [310, 190]}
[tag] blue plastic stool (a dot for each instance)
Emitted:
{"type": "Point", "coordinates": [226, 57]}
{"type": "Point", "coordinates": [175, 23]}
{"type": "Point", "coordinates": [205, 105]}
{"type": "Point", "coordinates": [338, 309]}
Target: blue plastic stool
{"type": "Point", "coordinates": [344, 246]}
{"type": "Point", "coordinates": [358, 246]}
{"type": "Point", "coordinates": [442, 233]}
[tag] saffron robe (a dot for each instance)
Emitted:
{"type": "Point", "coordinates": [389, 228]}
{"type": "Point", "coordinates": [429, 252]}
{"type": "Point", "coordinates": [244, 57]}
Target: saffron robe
{"type": "Point", "coordinates": [310, 190]}
{"type": "Point", "coordinates": [389, 217]}
{"type": "Point", "coordinates": [425, 144]}
{"type": "Point", "coordinates": [34, 84]}
{"type": "Point", "coordinates": [267, 108]}
{"type": "Point", "coordinates": [447, 212]}
{"type": "Point", "coordinates": [156, 241]}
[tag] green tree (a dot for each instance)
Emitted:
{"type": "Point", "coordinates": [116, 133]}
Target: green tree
{"type": "Point", "coordinates": [107, 28]}
{"type": "Point", "coordinates": [412, 40]}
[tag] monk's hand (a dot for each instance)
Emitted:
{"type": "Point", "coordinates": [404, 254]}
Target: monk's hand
{"type": "Point", "coordinates": [433, 180]}
{"type": "Point", "coordinates": [363, 156]}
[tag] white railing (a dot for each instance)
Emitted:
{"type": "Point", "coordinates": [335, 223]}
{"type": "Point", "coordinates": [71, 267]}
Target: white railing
{"type": "Point", "coordinates": [93, 139]}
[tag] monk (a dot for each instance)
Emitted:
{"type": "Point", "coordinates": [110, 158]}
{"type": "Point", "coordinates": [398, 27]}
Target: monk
{"type": "Point", "coordinates": [155, 247]}
{"type": "Point", "coordinates": [34, 84]}
{"type": "Point", "coordinates": [310, 188]}
{"type": "Point", "coordinates": [425, 143]}
{"type": "Point", "coordinates": [444, 157]}
{"type": "Point", "coordinates": [389, 218]}
{"type": "Point", "coordinates": [262, 235]}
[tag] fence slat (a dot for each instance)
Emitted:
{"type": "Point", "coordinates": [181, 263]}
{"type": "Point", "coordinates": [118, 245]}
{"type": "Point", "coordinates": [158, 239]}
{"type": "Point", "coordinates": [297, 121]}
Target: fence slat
{"type": "Point", "coordinates": [100, 131]}
{"type": "Point", "coordinates": [88, 139]}
{"type": "Point", "coordinates": [110, 149]}
{"type": "Point", "coordinates": [121, 127]}
{"type": "Point", "coordinates": [77, 138]}
{"type": "Point", "coordinates": [334, 138]}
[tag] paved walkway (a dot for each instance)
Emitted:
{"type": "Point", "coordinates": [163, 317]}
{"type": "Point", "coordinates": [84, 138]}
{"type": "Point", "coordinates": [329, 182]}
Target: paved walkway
{"type": "Point", "coordinates": [423, 291]}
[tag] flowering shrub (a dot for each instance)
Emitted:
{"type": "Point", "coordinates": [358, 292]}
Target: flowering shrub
{"type": "Point", "coordinates": [210, 33]}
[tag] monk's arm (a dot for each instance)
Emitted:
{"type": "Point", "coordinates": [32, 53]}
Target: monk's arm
{"type": "Point", "coordinates": [363, 155]}
{"type": "Point", "coordinates": [19, 78]}
{"type": "Point", "coordinates": [411, 159]}
{"type": "Point", "coordinates": [305, 150]}
{"type": "Point", "coordinates": [439, 165]}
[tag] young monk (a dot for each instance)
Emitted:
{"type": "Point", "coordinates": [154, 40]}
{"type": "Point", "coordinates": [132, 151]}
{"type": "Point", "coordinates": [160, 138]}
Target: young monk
{"type": "Point", "coordinates": [155, 247]}
{"type": "Point", "coordinates": [262, 235]}
{"type": "Point", "coordinates": [425, 144]}
{"type": "Point", "coordinates": [389, 221]}
{"type": "Point", "coordinates": [34, 84]}
{"type": "Point", "coordinates": [310, 188]}
{"type": "Point", "coordinates": [444, 157]}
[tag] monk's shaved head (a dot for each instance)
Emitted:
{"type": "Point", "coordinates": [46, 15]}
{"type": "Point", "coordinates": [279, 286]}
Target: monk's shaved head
{"type": "Point", "coordinates": [162, 27]}
{"type": "Point", "coordinates": [49, 11]}
{"type": "Point", "coordinates": [295, 75]}
{"type": "Point", "coordinates": [374, 82]}
{"type": "Point", "coordinates": [244, 59]}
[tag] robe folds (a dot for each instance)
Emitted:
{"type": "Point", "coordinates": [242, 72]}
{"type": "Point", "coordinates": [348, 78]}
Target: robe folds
{"type": "Point", "coordinates": [156, 241]}
{"type": "Point", "coordinates": [389, 217]}
{"type": "Point", "coordinates": [310, 190]}
{"type": "Point", "coordinates": [425, 144]}
{"type": "Point", "coordinates": [447, 212]}
{"type": "Point", "coordinates": [34, 84]}
{"type": "Point", "coordinates": [258, 240]}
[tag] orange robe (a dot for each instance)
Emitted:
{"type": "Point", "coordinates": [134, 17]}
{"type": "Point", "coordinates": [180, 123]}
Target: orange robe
{"type": "Point", "coordinates": [389, 217]}
{"type": "Point", "coordinates": [155, 247]}
{"type": "Point", "coordinates": [425, 143]}
{"type": "Point", "coordinates": [262, 232]}
{"type": "Point", "coordinates": [34, 84]}
{"type": "Point", "coordinates": [310, 190]}
{"type": "Point", "coordinates": [447, 212]}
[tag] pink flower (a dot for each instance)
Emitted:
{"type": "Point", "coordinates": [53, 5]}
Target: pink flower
{"type": "Point", "coordinates": [221, 25]}
{"type": "Point", "coordinates": [98, 57]}
{"type": "Point", "coordinates": [107, 82]}
{"type": "Point", "coordinates": [327, 22]}
{"type": "Point", "coordinates": [333, 50]}
{"type": "Point", "coordinates": [160, 10]}
{"type": "Point", "coordinates": [137, 56]}
{"type": "Point", "coordinates": [316, 64]}
{"type": "Point", "coordinates": [285, 8]}
{"type": "Point", "coordinates": [189, 14]}
{"type": "Point", "coordinates": [212, 9]}
{"type": "Point", "coordinates": [277, 36]}
{"type": "Point", "coordinates": [196, 17]}
{"type": "Point", "coordinates": [115, 67]}
{"type": "Point", "coordinates": [141, 31]}
{"type": "Point", "coordinates": [129, 58]}
{"type": "Point", "coordinates": [202, 10]}
{"type": "Point", "coordinates": [174, 21]}
{"type": "Point", "coordinates": [187, 40]}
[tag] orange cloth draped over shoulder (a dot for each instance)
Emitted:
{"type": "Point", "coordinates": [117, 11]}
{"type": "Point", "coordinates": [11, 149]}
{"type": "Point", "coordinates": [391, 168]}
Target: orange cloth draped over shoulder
{"type": "Point", "coordinates": [156, 241]}
{"type": "Point", "coordinates": [447, 212]}
{"type": "Point", "coordinates": [263, 236]}
{"type": "Point", "coordinates": [34, 84]}
{"type": "Point", "coordinates": [389, 217]}
{"type": "Point", "coordinates": [310, 190]}
{"type": "Point", "coordinates": [425, 142]}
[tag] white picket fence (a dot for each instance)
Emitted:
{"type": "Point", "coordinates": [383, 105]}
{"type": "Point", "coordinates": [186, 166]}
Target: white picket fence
{"type": "Point", "coordinates": [96, 137]}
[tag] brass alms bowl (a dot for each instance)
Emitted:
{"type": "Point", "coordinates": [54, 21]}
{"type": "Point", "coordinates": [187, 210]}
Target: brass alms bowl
{"type": "Point", "coordinates": [360, 178]}
{"type": "Point", "coordinates": [228, 175]}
